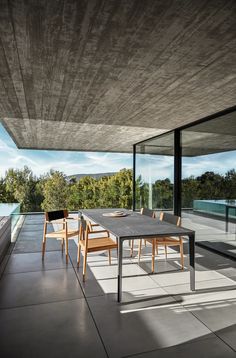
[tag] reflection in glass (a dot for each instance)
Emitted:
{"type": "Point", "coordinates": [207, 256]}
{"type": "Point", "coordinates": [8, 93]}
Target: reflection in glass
{"type": "Point", "coordinates": [209, 181]}
{"type": "Point", "coordinates": [154, 173]}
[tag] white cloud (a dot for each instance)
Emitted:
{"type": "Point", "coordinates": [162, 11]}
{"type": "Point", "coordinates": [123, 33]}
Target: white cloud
{"type": "Point", "coordinates": [150, 166]}
{"type": "Point", "coordinates": [69, 162]}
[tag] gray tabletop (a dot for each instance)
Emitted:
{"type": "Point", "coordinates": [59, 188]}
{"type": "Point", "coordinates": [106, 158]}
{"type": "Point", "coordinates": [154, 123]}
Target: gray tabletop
{"type": "Point", "coordinates": [134, 225]}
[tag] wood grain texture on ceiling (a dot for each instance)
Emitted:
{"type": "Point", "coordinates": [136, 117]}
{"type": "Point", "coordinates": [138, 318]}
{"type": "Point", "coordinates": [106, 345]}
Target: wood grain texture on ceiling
{"type": "Point", "coordinates": [112, 66]}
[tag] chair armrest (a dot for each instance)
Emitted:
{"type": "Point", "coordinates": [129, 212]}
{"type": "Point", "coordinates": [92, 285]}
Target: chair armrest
{"type": "Point", "coordinates": [58, 221]}
{"type": "Point", "coordinates": [98, 231]}
{"type": "Point", "coordinates": [75, 219]}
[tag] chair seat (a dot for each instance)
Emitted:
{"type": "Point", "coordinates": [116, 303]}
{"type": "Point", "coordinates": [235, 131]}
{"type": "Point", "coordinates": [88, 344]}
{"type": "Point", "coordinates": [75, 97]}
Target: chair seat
{"type": "Point", "coordinates": [166, 241]}
{"type": "Point", "coordinates": [62, 233]}
{"type": "Point", "coordinates": [102, 243]}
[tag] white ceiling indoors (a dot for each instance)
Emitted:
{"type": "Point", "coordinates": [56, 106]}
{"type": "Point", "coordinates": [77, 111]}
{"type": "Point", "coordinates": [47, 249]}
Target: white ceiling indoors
{"type": "Point", "coordinates": [100, 75]}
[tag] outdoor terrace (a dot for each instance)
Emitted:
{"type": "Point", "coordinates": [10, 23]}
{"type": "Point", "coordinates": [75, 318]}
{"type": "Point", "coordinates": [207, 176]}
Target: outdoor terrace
{"type": "Point", "coordinates": [46, 310]}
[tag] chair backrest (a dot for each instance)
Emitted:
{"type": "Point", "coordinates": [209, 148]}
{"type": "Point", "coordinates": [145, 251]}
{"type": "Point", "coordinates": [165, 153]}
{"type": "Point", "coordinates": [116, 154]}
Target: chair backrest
{"type": "Point", "coordinates": [170, 218]}
{"type": "Point", "coordinates": [56, 215]}
{"type": "Point", "coordinates": [148, 212]}
{"type": "Point", "coordinates": [84, 224]}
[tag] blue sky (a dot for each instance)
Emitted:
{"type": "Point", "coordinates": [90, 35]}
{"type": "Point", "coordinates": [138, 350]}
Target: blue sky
{"type": "Point", "coordinates": [162, 167]}
{"type": "Point", "coordinates": [41, 161]}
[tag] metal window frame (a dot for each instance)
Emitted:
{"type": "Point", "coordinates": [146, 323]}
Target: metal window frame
{"type": "Point", "coordinates": [177, 195]}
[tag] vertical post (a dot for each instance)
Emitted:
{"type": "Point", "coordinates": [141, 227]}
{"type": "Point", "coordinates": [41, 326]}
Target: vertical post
{"type": "Point", "coordinates": [177, 172]}
{"type": "Point", "coordinates": [134, 177]}
{"type": "Point", "coordinates": [119, 278]}
{"type": "Point", "coordinates": [191, 244]}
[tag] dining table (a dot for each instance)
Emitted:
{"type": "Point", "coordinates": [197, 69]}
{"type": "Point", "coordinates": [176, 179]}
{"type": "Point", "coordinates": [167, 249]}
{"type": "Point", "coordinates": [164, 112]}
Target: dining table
{"type": "Point", "coordinates": [132, 225]}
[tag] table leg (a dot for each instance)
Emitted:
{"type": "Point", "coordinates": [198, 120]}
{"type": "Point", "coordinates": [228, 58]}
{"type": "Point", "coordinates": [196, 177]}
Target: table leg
{"type": "Point", "coordinates": [192, 261]}
{"type": "Point", "coordinates": [120, 255]}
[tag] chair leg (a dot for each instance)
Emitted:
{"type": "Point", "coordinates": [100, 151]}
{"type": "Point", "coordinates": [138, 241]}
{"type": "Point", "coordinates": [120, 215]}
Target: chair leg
{"type": "Point", "coordinates": [78, 254]}
{"type": "Point", "coordinates": [109, 256]}
{"type": "Point", "coordinates": [62, 245]}
{"type": "Point", "coordinates": [84, 265]}
{"type": "Point", "coordinates": [43, 247]}
{"type": "Point", "coordinates": [156, 247]}
{"type": "Point", "coordinates": [67, 251]}
{"type": "Point", "coordinates": [139, 249]}
{"type": "Point", "coordinates": [165, 251]}
{"type": "Point", "coordinates": [132, 248]}
{"type": "Point", "coordinates": [181, 249]}
{"type": "Point", "coordinates": [44, 239]}
{"type": "Point", "coordinates": [153, 255]}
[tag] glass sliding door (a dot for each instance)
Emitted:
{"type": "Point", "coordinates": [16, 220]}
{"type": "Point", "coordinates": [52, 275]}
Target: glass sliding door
{"type": "Point", "coordinates": [154, 173]}
{"type": "Point", "coordinates": [208, 187]}
{"type": "Point", "coordinates": [209, 181]}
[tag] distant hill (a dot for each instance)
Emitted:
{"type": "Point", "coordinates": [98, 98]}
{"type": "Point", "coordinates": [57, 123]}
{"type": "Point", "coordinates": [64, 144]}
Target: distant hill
{"type": "Point", "coordinates": [95, 176]}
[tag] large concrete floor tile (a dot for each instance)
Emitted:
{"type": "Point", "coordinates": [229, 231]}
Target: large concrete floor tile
{"type": "Point", "coordinates": [91, 286]}
{"type": "Point", "coordinates": [218, 313]}
{"type": "Point", "coordinates": [194, 300]}
{"type": "Point", "coordinates": [55, 330]}
{"type": "Point", "coordinates": [131, 328]}
{"type": "Point", "coordinates": [30, 235]}
{"type": "Point", "coordinates": [211, 347]}
{"type": "Point", "coordinates": [99, 282]}
{"type": "Point", "coordinates": [31, 228]}
{"type": "Point", "coordinates": [201, 286]}
{"type": "Point", "coordinates": [229, 271]}
{"type": "Point", "coordinates": [107, 271]}
{"type": "Point", "coordinates": [35, 245]}
{"type": "Point", "coordinates": [183, 277]}
{"type": "Point", "coordinates": [29, 262]}
{"type": "Point", "coordinates": [128, 284]}
{"type": "Point", "coordinates": [206, 259]}
{"type": "Point", "coordinates": [29, 219]}
{"type": "Point", "coordinates": [161, 265]}
{"type": "Point", "coordinates": [38, 287]}
{"type": "Point", "coordinates": [228, 335]}
{"type": "Point", "coordinates": [99, 258]}
{"type": "Point", "coordinates": [144, 297]}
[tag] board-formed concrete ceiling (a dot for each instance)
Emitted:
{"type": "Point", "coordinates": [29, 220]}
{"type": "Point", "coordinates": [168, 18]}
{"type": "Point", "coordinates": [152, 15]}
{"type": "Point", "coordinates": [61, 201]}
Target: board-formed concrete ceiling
{"type": "Point", "coordinates": [101, 75]}
{"type": "Point", "coordinates": [216, 135]}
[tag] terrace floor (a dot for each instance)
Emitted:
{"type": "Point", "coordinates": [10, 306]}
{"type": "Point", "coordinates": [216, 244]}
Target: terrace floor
{"type": "Point", "coordinates": [46, 310]}
{"type": "Point", "coordinates": [211, 233]}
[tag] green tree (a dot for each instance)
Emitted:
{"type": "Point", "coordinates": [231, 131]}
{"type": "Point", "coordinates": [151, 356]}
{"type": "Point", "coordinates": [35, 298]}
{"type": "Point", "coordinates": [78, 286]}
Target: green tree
{"type": "Point", "coordinates": [20, 187]}
{"type": "Point", "coordinates": [55, 191]}
{"type": "Point", "coordinates": [3, 192]}
{"type": "Point", "coordinates": [211, 185]}
{"type": "Point", "coordinates": [190, 191]}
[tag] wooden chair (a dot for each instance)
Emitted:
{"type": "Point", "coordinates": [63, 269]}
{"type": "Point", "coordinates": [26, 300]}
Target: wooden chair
{"type": "Point", "coordinates": [92, 244]}
{"type": "Point", "coordinates": [61, 218]}
{"type": "Point", "coordinates": [171, 241]}
{"type": "Point", "coordinates": [143, 211]}
{"type": "Point", "coordinates": [165, 241]}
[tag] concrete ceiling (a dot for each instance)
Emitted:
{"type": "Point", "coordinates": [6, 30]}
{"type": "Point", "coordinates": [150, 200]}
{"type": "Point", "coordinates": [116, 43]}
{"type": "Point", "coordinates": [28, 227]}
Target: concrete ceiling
{"type": "Point", "coordinates": [101, 75]}
{"type": "Point", "coordinates": [213, 136]}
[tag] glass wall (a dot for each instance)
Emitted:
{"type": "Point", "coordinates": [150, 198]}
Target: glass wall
{"type": "Point", "coordinates": [155, 173]}
{"type": "Point", "coordinates": [209, 181]}
{"type": "Point", "coordinates": [208, 187]}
